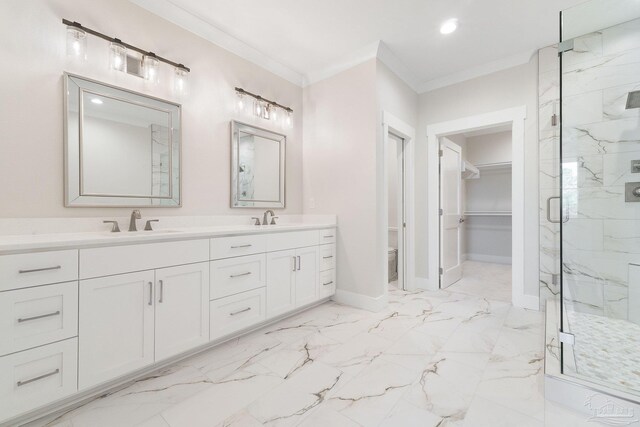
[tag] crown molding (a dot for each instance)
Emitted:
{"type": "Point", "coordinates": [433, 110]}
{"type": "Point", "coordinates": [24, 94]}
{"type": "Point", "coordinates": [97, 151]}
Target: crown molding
{"type": "Point", "coordinates": [194, 24]}
{"type": "Point", "coordinates": [478, 71]}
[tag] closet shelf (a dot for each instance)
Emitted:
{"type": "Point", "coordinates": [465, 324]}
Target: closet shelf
{"type": "Point", "coordinates": [500, 165]}
{"type": "Point", "coordinates": [487, 213]}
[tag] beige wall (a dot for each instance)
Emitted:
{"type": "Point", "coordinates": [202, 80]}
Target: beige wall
{"type": "Point", "coordinates": [31, 152]}
{"type": "Point", "coordinates": [509, 88]}
{"type": "Point", "coordinates": [340, 169]}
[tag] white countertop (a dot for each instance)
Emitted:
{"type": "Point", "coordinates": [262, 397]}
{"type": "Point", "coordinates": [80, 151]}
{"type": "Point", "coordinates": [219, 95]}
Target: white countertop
{"type": "Point", "coordinates": [38, 242]}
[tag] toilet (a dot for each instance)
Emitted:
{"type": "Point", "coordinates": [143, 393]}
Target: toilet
{"type": "Point", "coordinates": [393, 264]}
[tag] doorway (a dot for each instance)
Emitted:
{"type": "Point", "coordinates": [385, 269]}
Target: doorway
{"type": "Point", "coordinates": [475, 212]}
{"type": "Point", "coordinates": [514, 118]}
{"type": "Point", "coordinates": [398, 224]}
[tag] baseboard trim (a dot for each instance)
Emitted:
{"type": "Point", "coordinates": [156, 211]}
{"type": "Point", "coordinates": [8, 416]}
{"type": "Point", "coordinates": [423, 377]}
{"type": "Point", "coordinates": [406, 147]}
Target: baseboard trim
{"type": "Point", "coordinates": [364, 302]}
{"type": "Point", "coordinates": [496, 259]}
{"type": "Point", "coordinates": [529, 302]}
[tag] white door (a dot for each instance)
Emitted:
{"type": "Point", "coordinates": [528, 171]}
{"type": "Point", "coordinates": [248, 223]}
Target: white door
{"type": "Point", "coordinates": [451, 213]}
{"type": "Point", "coordinates": [182, 309]}
{"type": "Point", "coordinates": [115, 334]}
{"type": "Point", "coordinates": [281, 270]}
{"type": "Point", "coordinates": [307, 273]}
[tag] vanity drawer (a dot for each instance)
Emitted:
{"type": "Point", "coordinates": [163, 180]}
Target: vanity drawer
{"type": "Point", "coordinates": [40, 268]}
{"type": "Point", "coordinates": [98, 262]}
{"type": "Point", "coordinates": [36, 377]}
{"type": "Point", "coordinates": [327, 257]}
{"type": "Point", "coordinates": [37, 316]}
{"type": "Point", "coordinates": [237, 312]}
{"type": "Point", "coordinates": [227, 247]}
{"type": "Point", "coordinates": [327, 283]}
{"type": "Point", "coordinates": [328, 236]}
{"type": "Point", "coordinates": [291, 240]}
{"type": "Point", "coordinates": [234, 275]}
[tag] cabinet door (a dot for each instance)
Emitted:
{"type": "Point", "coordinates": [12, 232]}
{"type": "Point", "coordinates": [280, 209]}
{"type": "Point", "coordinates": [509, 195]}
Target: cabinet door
{"type": "Point", "coordinates": [182, 308]}
{"type": "Point", "coordinates": [280, 282]}
{"type": "Point", "coordinates": [115, 333]}
{"type": "Point", "coordinates": [307, 275]}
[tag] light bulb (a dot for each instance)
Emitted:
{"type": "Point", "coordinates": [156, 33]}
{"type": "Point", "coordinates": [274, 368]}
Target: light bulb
{"type": "Point", "coordinates": [151, 68]}
{"type": "Point", "coordinates": [76, 43]}
{"type": "Point", "coordinates": [449, 26]}
{"type": "Point", "coordinates": [180, 81]}
{"type": "Point", "coordinates": [118, 56]}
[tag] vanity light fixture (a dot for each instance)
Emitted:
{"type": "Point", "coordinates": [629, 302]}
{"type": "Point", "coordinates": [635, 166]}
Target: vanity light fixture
{"type": "Point", "coordinates": [264, 108]}
{"type": "Point", "coordinates": [449, 26]}
{"type": "Point", "coordinates": [76, 43]}
{"type": "Point", "coordinates": [151, 68]}
{"type": "Point", "coordinates": [118, 56]}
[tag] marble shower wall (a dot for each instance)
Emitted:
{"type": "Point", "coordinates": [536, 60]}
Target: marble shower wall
{"type": "Point", "coordinates": [601, 138]}
{"type": "Point", "coordinates": [549, 155]}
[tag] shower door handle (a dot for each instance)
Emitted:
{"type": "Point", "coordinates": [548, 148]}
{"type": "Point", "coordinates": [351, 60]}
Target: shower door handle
{"type": "Point", "coordinates": [564, 219]}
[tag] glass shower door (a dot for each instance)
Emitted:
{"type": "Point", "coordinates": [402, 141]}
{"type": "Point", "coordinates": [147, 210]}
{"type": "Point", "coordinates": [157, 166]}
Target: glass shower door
{"type": "Point", "coordinates": [600, 203]}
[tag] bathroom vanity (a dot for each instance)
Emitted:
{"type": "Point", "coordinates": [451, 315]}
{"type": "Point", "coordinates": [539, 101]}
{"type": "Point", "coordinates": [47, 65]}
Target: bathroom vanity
{"type": "Point", "coordinates": [83, 312]}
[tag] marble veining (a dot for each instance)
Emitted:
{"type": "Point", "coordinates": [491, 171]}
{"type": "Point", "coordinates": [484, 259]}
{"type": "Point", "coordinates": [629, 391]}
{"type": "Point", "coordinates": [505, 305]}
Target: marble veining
{"type": "Point", "coordinates": [432, 358]}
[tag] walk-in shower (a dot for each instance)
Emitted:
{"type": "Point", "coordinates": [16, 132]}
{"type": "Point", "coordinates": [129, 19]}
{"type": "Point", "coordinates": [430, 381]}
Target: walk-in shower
{"type": "Point", "coordinates": [599, 209]}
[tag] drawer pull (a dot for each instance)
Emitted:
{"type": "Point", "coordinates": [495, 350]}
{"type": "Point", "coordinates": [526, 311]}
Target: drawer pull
{"type": "Point", "coordinates": [240, 275]}
{"type": "Point", "coordinates": [161, 297]}
{"type": "Point", "coordinates": [42, 316]}
{"type": "Point", "coordinates": [241, 246]}
{"type": "Point", "coordinates": [35, 270]}
{"type": "Point", "coordinates": [328, 283]}
{"type": "Point", "coordinates": [41, 377]}
{"type": "Point", "coordinates": [327, 257]}
{"type": "Point", "coordinates": [244, 310]}
{"type": "Point", "coordinates": [329, 236]}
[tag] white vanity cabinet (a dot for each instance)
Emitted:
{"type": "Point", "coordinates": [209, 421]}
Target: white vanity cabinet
{"type": "Point", "coordinates": [182, 309]}
{"type": "Point", "coordinates": [75, 321]}
{"type": "Point", "coordinates": [116, 326]}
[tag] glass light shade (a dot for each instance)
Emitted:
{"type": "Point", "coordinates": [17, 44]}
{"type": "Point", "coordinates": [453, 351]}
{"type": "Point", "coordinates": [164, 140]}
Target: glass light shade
{"type": "Point", "coordinates": [151, 69]}
{"type": "Point", "coordinates": [257, 108]}
{"type": "Point", "coordinates": [288, 120]}
{"type": "Point", "coordinates": [118, 57]}
{"type": "Point", "coordinates": [275, 114]}
{"type": "Point", "coordinates": [76, 43]}
{"type": "Point", "coordinates": [241, 103]}
{"type": "Point", "coordinates": [181, 81]}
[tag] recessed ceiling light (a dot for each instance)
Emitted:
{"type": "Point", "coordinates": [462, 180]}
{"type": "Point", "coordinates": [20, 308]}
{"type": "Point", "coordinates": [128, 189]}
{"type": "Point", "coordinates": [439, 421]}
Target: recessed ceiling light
{"type": "Point", "coordinates": [449, 26]}
{"type": "Point", "coordinates": [97, 101]}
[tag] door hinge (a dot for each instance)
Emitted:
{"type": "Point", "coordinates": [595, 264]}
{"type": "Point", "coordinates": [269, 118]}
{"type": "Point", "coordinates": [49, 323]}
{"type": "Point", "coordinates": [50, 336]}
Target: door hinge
{"type": "Point", "coordinates": [555, 279]}
{"type": "Point", "coordinates": [404, 225]}
{"type": "Point", "coordinates": [565, 46]}
{"type": "Point", "coordinates": [441, 270]}
{"type": "Point", "coordinates": [554, 120]}
{"type": "Point", "coordinates": [441, 212]}
{"type": "Point", "coordinates": [566, 338]}
{"type": "Point", "coordinates": [440, 153]}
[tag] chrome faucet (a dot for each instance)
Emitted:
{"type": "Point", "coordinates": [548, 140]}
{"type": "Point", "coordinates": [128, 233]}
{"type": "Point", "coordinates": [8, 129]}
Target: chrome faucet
{"type": "Point", "coordinates": [132, 223]}
{"type": "Point", "coordinates": [265, 218]}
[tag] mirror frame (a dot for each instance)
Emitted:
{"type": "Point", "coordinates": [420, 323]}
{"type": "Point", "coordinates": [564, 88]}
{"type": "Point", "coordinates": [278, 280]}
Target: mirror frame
{"type": "Point", "coordinates": [236, 128]}
{"type": "Point", "coordinates": [73, 195]}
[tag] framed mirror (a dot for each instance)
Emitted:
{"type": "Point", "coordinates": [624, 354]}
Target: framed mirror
{"type": "Point", "coordinates": [122, 148]}
{"type": "Point", "coordinates": [257, 167]}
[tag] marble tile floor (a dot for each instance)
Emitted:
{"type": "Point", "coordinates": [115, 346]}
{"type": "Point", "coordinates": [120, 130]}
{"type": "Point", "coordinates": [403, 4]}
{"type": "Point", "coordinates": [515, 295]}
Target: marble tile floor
{"type": "Point", "coordinates": [432, 358]}
{"type": "Point", "coordinates": [484, 279]}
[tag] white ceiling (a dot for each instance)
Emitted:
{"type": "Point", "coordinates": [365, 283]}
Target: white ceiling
{"type": "Point", "coordinates": [306, 40]}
